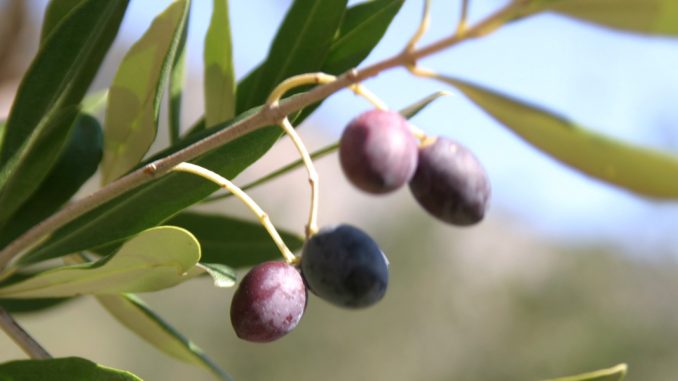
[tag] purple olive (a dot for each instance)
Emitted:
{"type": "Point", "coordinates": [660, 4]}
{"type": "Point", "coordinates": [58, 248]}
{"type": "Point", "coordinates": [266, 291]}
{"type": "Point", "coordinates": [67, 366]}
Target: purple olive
{"type": "Point", "coordinates": [450, 183]}
{"type": "Point", "coordinates": [268, 303]}
{"type": "Point", "coordinates": [378, 152]}
{"type": "Point", "coordinates": [344, 266]}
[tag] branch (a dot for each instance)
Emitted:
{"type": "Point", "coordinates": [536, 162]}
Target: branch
{"type": "Point", "coordinates": [21, 337]}
{"type": "Point", "coordinates": [264, 117]}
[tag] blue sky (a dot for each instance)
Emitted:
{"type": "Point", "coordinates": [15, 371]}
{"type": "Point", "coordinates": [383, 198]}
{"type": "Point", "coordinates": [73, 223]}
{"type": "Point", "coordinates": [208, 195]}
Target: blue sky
{"type": "Point", "coordinates": [620, 84]}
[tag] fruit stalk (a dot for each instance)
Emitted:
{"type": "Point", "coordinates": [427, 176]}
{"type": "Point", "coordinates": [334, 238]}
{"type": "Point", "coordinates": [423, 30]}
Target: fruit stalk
{"type": "Point", "coordinates": [245, 198]}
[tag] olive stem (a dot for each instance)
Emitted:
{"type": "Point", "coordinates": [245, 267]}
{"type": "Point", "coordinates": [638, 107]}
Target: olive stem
{"type": "Point", "coordinates": [246, 199]}
{"type": "Point", "coordinates": [264, 117]}
{"type": "Point", "coordinates": [463, 20]}
{"type": "Point", "coordinates": [423, 27]}
{"type": "Point", "coordinates": [313, 179]}
{"type": "Point", "coordinates": [22, 338]}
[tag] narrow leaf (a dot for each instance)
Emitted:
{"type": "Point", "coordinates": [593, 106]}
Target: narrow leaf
{"type": "Point", "coordinates": [133, 313]}
{"type": "Point", "coordinates": [46, 103]}
{"type": "Point", "coordinates": [56, 11]}
{"type": "Point", "coordinates": [219, 72]}
{"type": "Point", "coordinates": [412, 110]}
{"type": "Point", "coordinates": [23, 306]}
{"type": "Point", "coordinates": [69, 368]}
{"type": "Point", "coordinates": [616, 373]}
{"type": "Point", "coordinates": [157, 258]}
{"type": "Point", "coordinates": [641, 16]}
{"type": "Point", "coordinates": [363, 26]}
{"type": "Point", "coordinates": [75, 165]}
{"type": "Point", "coordinates": [26, 306]}
{"type": "Point", "coordinates": [300, 46]}
{"type": "Point", "coordinates": [176, 85]}
{"type": "Point", "coordinates": [223, 276]}
{"type": "Point", "coordinates": [641, 170]}
{"type": "Point", "coordinates": [134, 97]}
{"type": "Point", "coordinates": [231, 241]}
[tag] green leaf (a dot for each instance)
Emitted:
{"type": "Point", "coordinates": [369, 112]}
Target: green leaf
{"type": "Point", "coordinates": [362, 28]}
{"type": "Point", "coordinates": [222, 275]}
{"type": "Point", "coordinates": [135, 94]}
{"type": "Point", "coordinates": [412, 110]}
{"type": "Point", "coordinates": [46, 102]}
{"type": "Point", "coordinates": [157, 258]}
{"type": "Point", "coordinates": [25, 306]}
{"type": "Point", "coordinates": [75, 165]}
{"type": "Point", "coordinates": [153, 203]}
{"type": "Point", "coordinates": [176, 85]}
{"type": "Point", "coordinates": [641, 16]}
{"type": "Point", "coordinates": [300, 46]}
{"type": "Point", "coordinates": [640, 170]}
{"type": "Point", "coordinates": [616, 373]}
{"type": "Point", "coordinates": [219, 71]}
{"type": "Point", "coordinates": [69, 368]}
{"type": "Point", "coordinates": [231, 241]}
{"type": "Point", "coordinates": [133, 313]}
{"type": "Point", "coordinates": [56, 11]}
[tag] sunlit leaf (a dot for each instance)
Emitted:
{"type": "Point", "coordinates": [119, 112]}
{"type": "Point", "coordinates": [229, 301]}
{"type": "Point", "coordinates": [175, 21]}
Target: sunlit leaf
{"type": "Point", "coordinates": [46, 103]}
{"type": "Point", "coordinates": [616, 373]}
{"type": "Point", "coordinates": [134, 97]}
{"type": "Point", "coordinates": [70, 368]}
{"type": "Point", "coordinates": [641, 170]}
{"type": "Point", "coordinates": [176, 84]}
{"type": "Point", "coordinates": [231, 241]}
{"type": "Point", "coordinates": [133, 313]}
{"type": "Point", "coordinates": [222, 275]}
{"type": "Point", "coordinates": [155, 259]}
{"type": "Point", "coordinates": [642, 16]}
{"type": "Point", "coordinates": [219, 73]}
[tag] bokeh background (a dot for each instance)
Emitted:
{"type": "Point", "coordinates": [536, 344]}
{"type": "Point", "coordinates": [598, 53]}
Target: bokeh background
{"type": "Point", "coordinates": [566, 274]}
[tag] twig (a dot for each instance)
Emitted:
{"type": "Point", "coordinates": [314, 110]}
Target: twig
{"type": "Point", "coordinates": [21, 337]}
{"type": "Point", "coordinates": [245, 198]}
{"type": "Point", "coordinates": [266, 116]}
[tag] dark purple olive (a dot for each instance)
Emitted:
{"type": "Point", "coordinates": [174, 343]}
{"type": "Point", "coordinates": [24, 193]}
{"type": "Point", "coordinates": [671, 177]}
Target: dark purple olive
{"type": "Point", "coordinates": [450, 183]}
{"type": "Point", "coordinates": [378, 152]}
{"type": "Point", "coordinates": [344, 266]}
{"type": "Point", "coordinates": [268, 303]}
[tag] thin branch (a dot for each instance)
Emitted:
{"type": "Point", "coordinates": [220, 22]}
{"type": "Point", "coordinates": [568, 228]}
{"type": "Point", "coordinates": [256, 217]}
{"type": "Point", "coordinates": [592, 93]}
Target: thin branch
{"type": "Point", "coordinates": [21, 337]}
{"type": "Point", "coordinates": [245, 198]}
{"type": "Point", "coordinates": [265, 117]}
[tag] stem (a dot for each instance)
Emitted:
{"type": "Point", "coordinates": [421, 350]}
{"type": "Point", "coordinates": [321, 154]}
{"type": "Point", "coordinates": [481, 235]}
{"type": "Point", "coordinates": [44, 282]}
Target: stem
{"type": "Point", "coordinates": [21, 337]}
{"type": "Point", "coordinates": [313, 179]}
{"type": "Point", "coordinates": [463, 20]}
{"type": "Point", "coordinates": [246, 199]}
{"type": "Point", "coordinates": [265, 117]}
{"type": "Point", "coordinates": [423, 27]}
{"type": "Point", "coordinates": [362, 91]}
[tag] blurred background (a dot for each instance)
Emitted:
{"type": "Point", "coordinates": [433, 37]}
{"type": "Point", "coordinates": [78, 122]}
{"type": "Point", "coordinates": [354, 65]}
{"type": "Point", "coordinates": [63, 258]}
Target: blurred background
{"type": "Point", "coordinates": [565, 275]}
